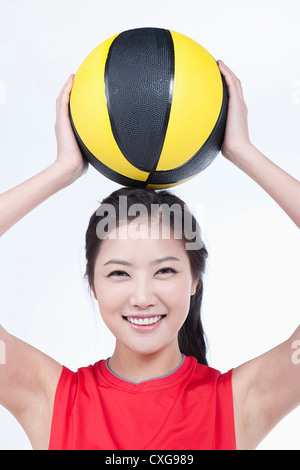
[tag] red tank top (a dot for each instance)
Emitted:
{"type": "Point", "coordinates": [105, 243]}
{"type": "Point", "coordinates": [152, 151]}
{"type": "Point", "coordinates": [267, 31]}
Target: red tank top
{"type": "Point", "coordinates": [191, 408]}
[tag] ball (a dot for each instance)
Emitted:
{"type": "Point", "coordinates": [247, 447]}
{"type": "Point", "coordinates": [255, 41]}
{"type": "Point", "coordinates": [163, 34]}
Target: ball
{"type": "Point", "coordinates": [148, 108]}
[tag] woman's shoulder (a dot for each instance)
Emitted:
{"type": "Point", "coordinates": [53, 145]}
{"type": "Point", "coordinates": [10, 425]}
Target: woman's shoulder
{"type": "Point", "coordinates": [206, 374]}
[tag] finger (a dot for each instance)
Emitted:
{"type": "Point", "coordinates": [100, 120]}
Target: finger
{"type": "Point", "coordinates": [64, 96]}
{"type": "Point", "coordinates": [232, 81]}
{"type": "Point", "coordinates": [65, 92]}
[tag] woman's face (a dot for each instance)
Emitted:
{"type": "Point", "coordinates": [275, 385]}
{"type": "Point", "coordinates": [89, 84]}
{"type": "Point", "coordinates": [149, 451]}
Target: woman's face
{"type": "Point", "coordinates": [143, 287]}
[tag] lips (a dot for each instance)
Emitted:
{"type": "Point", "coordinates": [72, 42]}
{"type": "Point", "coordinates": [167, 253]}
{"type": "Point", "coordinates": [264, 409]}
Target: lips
{"type": "Point", "coordinates": [144, 322]}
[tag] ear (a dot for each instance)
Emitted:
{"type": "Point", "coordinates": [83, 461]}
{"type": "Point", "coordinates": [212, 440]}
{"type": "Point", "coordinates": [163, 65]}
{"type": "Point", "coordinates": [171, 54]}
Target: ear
{"type": "Point", "coordinates": [195, 284]}
{"type": "Point", "coordinates": [93, 290]}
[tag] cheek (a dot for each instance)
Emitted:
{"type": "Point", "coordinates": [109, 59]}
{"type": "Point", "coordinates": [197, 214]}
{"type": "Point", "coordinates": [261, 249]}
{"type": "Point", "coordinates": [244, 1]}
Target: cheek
{"type": "Point", "coordinates": [109, 308]}
{"type": "Point", "coordinates": [177, 295]}
{"type": "Point", "coordinates": [179, 287]}
{"type": "Point", "coordinates": [108, 298]}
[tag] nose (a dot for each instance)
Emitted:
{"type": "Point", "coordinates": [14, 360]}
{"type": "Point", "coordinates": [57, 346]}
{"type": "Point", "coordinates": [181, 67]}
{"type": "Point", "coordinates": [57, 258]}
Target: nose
{"type": "Point", "coordinates": [142, 294]}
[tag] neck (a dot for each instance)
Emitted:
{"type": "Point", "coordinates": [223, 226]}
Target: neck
{"type": "Point", "coordinates": [136, 367]}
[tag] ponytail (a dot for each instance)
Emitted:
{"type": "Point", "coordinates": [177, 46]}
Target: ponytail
{"type": "Point", "coordinates": [191, 337]}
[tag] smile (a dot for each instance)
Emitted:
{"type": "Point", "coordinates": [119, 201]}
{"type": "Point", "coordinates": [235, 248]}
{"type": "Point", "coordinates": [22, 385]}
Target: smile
{"type": "Point", "coordinates": [144, 321]}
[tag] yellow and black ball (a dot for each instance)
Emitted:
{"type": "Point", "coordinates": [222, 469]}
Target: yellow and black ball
{"type": "Point", "coordinates": [148, 108]}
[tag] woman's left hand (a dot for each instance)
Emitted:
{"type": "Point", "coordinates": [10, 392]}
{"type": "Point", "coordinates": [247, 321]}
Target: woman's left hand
{"type": "Point", "coordinates": [69, 155]}
{"type": "Point", "coordinates": [236, 133]}
{"type": "Point", "coordinates": [237, 148]}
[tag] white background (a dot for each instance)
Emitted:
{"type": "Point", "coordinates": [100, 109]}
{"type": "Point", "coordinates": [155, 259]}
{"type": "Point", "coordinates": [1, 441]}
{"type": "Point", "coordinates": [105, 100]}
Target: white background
{"type": "Point", "coordinates": [252, 288]}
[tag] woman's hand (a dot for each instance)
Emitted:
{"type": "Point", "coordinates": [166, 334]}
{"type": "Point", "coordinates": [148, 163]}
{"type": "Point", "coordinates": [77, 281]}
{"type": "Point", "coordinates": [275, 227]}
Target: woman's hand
{"type": "Point", "coordinates": [68, 153]}
{"type": "Point", "coordinates": [281, 186]}
{"type": "Point", "coordinates": [236, 133]}
{"type": "Point", "coordinates": [69, 165]}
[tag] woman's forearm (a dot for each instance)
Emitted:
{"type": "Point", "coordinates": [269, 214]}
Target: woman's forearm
{"type": "Point", "coordinates": [238, 149]}
{"type": "Point", "coordinates": [68, 167]}
{"type": "Point", "coordinates": [282, 187]}
{"type": "Point", "coordinates": [19, 201]}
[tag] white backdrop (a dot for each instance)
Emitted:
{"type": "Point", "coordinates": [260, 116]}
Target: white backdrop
{"type": "Point", "coordinates": [252, 285]}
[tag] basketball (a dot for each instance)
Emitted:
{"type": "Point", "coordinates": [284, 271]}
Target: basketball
{"type": "Point", "coordinates": [148, 108]}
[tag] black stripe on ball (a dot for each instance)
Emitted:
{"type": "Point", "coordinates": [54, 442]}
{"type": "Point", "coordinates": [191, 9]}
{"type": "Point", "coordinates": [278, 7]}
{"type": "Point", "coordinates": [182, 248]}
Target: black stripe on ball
{"type": "Point", "coordinates": [139, 81]}
{"type": "Point", "coordinates": [104, 169]}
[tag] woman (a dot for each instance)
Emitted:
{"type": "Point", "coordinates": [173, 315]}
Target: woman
{"type": "Point", "coordinates": [156, 390]}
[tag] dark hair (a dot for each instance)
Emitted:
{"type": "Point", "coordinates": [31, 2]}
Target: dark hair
{"type": "Point", "coordinates": [191, 338]}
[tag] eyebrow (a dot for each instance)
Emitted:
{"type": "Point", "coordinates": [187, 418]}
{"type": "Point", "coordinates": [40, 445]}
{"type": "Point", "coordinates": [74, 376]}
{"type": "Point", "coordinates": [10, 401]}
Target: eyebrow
{"type": "Point", "coordinates": [156, 261]}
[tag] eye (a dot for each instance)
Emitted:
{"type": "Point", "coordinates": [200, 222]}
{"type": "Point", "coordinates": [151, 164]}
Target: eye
{"type": "Point", "coordinates": [167, 270]}
{"type": "Point", "coordinates": [161, 271]}
{"type": "Point", "coordinates": [118, 273]}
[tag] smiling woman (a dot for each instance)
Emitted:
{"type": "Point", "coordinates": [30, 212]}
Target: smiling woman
{"type": "Point", "coordinates": [149, 289]}
{"type": "Point", "coordinates": [150, 283]}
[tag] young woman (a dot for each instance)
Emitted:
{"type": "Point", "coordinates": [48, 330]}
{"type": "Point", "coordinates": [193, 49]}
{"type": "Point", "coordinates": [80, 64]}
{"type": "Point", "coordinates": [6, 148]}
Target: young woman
{"type": "Point", "coordinates": [156, 391]}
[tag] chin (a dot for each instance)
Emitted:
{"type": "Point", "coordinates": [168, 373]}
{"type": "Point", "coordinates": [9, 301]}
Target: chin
{"type": "Point", "coordinates": [145, 349]}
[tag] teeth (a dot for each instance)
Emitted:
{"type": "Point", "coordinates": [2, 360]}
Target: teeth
{"type": "Point", "coordinates": [144, 321]}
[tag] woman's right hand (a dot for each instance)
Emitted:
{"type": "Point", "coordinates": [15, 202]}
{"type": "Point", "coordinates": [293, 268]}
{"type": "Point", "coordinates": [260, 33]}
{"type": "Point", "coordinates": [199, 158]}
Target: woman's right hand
{"type": "Point", "coordinates": [236, 139]}
{"type": "Point", "coordinates": [68, 166]}
{"type": "Point", "coordinates": [69, 155]}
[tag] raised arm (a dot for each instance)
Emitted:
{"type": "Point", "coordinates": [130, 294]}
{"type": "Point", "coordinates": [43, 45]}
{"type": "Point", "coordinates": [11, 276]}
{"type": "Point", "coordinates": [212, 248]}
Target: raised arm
{"type": "Point", "coordinates": [69, 165]}
{"type": "Point", "coordinates": [266, 388]}
{"type": "Point", "coordinates": [238, 149]}
{"type": "Point", "coordinates": [28, 378]}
